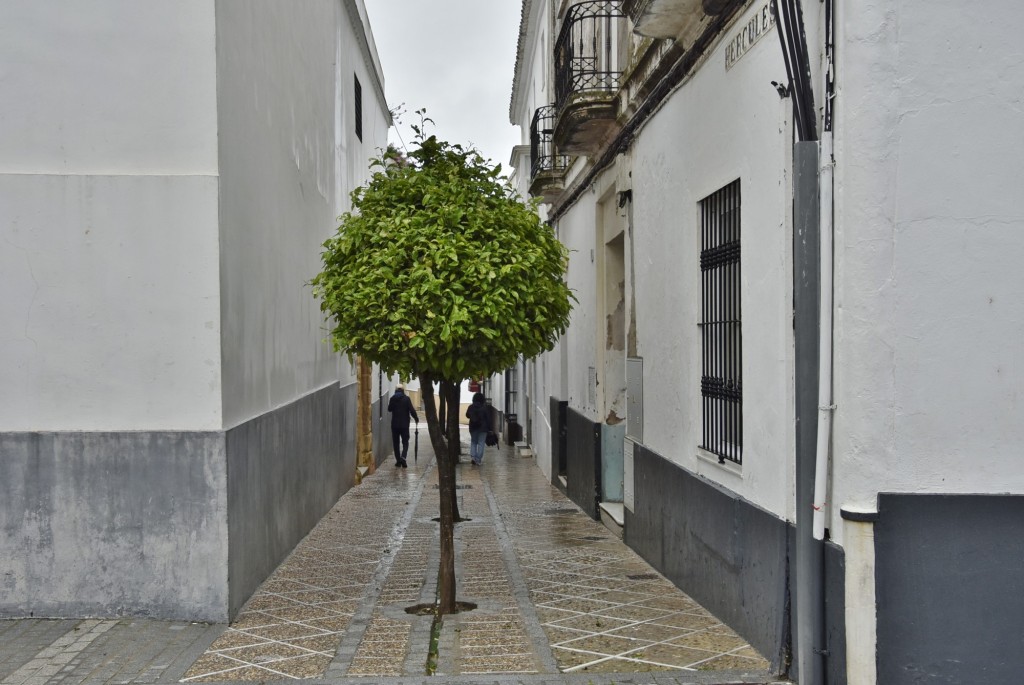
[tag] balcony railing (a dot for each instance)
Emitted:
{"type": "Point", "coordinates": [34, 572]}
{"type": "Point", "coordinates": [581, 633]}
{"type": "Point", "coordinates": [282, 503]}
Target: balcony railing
{"type": "Point", "coordinates": [544, 158]}
{"type": "Point", "coordinates": [585, 53]}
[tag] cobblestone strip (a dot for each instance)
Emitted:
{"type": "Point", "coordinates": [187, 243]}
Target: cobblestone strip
{"type": "Point", "coordinates": [491, 639]}
{"type": "Point", "coordinates": [129, 650]}
{"type": "Point", "coordinates": [422, 561]}
{"type": "Point", "coordinates": [397, 643]}
{"type": "Point", "coordinates": [419, 638]}
{"type": "Point", "coordinates": [49, 662]}
{"type": "Point", "coordinates": [374, 644]}
{"type": "Point", "coordinates": [532, 624]}
{"type": "Point", "coordinates": [22, 639]}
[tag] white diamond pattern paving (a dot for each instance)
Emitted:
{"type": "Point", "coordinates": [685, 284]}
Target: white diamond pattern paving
{"type": "Point", "coordinates": [555, 590]}
{"type": "Point", "coordinates": [292, 626]}
{"type": "Point", "coordinates": [596, 617]}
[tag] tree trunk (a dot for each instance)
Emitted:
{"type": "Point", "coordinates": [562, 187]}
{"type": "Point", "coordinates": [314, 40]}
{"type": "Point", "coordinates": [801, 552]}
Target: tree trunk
{"type": "Point", "coordinates": [442, 416]}
{"type": "Point", "coordinates": [364, 415]}
{"type": "Point", "coordinates": [454, 443]}
{"type": "Point", "coordinates": [451, 391]}
{"type": "Point", "coordinates": [446, 490]}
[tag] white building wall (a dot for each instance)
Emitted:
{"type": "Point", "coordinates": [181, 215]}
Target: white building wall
{"type": "Point", "coordinates": [541, 443]}
{"type": "Point", "coordinates": [534, 90]}
{"type": "Point", "coordinates": [929, 211]}
{"type": "Point", "coordinates": [289, 157]}
{"type": "Point", "coordinates": [576, 231]}
{"type": "Point", "coordinates": [542, 90]}
{"type": "Point", "coordinates": [108, 215]}
{"type": "Point", "coordinates": [145, 104]}
{"type": "Point", "coordinates": [720, 126]}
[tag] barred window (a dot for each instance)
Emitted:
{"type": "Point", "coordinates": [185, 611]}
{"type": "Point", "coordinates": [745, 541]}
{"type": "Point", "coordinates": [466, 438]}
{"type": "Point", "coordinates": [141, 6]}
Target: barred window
{"type": "Point", "coordinates": [721, 382]}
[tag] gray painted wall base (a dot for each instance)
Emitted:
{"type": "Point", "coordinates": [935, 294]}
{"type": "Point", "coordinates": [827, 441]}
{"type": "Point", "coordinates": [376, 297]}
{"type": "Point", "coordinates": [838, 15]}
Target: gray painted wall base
{"type": "Point", "coordinates": [723, 551]}
{"type": "Point", "coordinates": [583, 462]}
{"type": "Point", "coordinates": [558, 414]}
{"type": "Point", "coordinates": [950, 588]}
{"type": "Point", "coordinates": [111, 524]}
{"type": "Point", "coordinates": [835, 614]}
{"type": "Point", "coordinates": [173, 525]}
{"type": "Point", "coordinates": [286, 469]}
{"type": "Point", "coordinates": [834, 564]}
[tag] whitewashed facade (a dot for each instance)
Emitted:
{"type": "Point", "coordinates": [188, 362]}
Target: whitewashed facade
{"type": "Point", "coordinates": [924, 495]}
{"type": "Point", "coordinates": [168, 172]}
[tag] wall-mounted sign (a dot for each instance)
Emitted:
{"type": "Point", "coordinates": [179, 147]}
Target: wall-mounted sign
{"type": "Point", "coordinates": [761, 23]}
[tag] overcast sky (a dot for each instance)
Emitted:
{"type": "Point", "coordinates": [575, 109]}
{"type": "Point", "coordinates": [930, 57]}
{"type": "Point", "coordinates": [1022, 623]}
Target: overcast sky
{"type": "Point", "coordinates": [455, 58]}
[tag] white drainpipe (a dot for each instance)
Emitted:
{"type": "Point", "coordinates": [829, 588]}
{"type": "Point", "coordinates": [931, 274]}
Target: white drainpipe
{"type": "Point", "coordinates": [825, 405]}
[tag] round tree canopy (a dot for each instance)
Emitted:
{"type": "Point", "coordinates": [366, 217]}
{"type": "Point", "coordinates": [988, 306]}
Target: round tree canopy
{"type": "Point", "coordinates": [440, 268]}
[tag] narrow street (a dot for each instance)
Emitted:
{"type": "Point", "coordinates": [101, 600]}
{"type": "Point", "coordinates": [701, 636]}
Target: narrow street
{"type": "Point", "coordinates": [559, 599]}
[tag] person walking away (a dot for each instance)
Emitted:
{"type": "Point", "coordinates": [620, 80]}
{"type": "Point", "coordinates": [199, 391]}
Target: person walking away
{"type": "Point", "coordinates": [400, 407]}
{"type": "Point", "coordinates": [479, 423]}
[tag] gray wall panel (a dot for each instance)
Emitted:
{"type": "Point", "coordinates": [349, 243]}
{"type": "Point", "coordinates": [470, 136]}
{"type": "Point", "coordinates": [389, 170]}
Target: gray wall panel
{"type": "Point", "coordinates": [558, 410]}
{"type": "Point", "coordinates": [950, 588]}
{"type": "Point", "coordinates": [286, 469]}
{"type": "Point", "coordinates": [834, 584]}
{"type": "Point", "coordinates": [835, 613]}
{"type": "Point", "coordinates": [349, 401]}
{"type": "Point", "coordinates": [583, 461]}
{"type": "Point", "coordinates": [109, 524]}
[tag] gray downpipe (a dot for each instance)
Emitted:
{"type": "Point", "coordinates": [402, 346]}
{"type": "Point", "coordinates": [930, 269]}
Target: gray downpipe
{"type": "Point", "coordinates": [809, 595]}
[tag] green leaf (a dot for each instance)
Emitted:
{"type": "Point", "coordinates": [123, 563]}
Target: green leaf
{"type": "Point", "coordinates": [439, 267]}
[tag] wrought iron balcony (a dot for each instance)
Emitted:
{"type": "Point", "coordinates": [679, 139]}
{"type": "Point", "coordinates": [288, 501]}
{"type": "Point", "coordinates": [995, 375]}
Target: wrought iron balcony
{"type": "Point", "coordinates": [547, 173]}
{"type": "Point", "coordinates": [587, 74]}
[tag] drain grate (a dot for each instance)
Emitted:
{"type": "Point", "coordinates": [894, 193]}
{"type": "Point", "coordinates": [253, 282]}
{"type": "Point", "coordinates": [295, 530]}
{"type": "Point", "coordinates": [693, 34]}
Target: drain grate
{"type": "Point", "coordinates": [556, 511]}
{"type": "Point", "coordinates": [457, 487]}
{"type": "Point", "coordinates": [593, 538]}
{"type": "Point", "coordinates": [643, 576]}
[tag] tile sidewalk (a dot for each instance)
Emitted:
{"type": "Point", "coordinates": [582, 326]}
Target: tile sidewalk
{"type": "Point", "coordinates": [559, 600]}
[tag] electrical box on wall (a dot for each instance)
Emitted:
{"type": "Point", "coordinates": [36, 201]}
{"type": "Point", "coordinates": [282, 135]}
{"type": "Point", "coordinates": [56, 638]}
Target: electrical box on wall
{"type": "Point", "coordinates": [627, 473]}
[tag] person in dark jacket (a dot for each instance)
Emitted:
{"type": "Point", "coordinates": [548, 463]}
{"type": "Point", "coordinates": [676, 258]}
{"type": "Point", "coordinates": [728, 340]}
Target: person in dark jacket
{"type": "Point", "coordinates": [400, 407]}
{"type": "Point", "coordinates": [479, 424]}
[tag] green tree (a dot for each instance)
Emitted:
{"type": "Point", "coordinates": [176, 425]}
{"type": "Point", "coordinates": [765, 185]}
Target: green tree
{"type": "Point", "coordinates": [441, 272]}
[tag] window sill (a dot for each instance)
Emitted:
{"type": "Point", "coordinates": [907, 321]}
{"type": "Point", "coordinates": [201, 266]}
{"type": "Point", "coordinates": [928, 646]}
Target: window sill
{"type": "Point", "coordinates": [727, 466]}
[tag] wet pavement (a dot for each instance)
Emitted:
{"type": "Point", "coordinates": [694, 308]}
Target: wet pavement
{"type": "Point", "coordinates": [560, 599]}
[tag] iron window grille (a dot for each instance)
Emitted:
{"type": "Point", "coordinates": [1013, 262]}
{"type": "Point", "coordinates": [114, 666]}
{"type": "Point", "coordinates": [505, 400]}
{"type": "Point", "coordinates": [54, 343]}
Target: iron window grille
{"type": "Point", "coordinates": [359, 108]}
{"type": "Point", "coordinates": [721, 384]}
{"type": "Point", "coordinates": [543, 157]}
{"type": "Point", "coordinates": [585, 58]}
{"type": "Point", "coordinates": [511, 390]}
